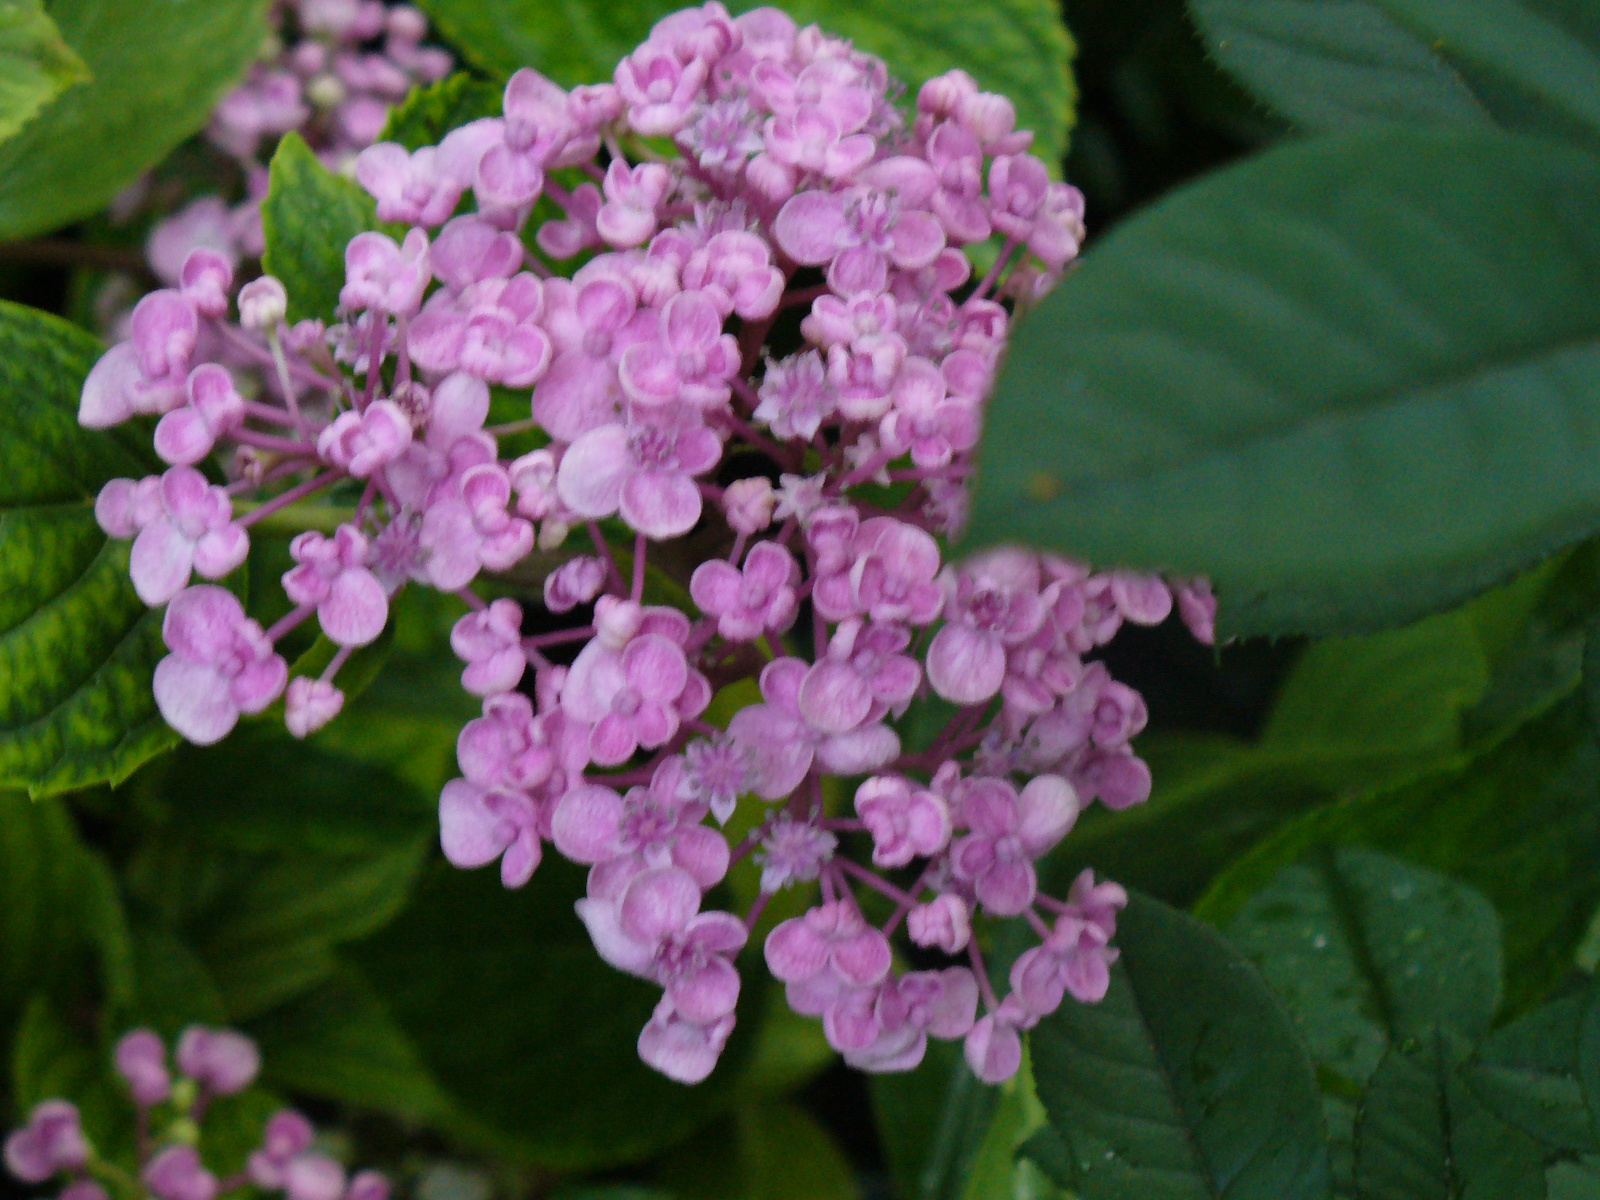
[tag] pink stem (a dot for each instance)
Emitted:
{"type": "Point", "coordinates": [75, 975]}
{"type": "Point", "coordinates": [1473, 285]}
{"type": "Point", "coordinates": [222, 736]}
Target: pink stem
{"type": "Point", "coordinates": [284, 499]}
{"type": "Point", "coordinates": [289, 620]}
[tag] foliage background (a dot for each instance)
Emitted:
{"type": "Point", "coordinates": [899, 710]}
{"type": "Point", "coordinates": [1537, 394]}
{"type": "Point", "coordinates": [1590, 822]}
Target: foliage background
{"type": "Point", "coordinates": [1389, 835]}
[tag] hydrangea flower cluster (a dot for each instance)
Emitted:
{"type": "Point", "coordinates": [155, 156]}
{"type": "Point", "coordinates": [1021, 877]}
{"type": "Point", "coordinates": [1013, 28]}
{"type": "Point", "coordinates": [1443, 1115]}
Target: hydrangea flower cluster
{"type": "Point", "coordinates": [338, 68]}
{"type": "Point", "coordinates": [769, 352]}
{"type": "Point", "coordinates": [211, 1063]}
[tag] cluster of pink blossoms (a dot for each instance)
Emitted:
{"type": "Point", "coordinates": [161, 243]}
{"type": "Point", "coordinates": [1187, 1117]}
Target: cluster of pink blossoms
{"type": "Point", "coordinates": [773, 341]}
{"type": "Point", "coordinates": [211, 1063]}
{"type": "Point", "coordinates": [340, 66]}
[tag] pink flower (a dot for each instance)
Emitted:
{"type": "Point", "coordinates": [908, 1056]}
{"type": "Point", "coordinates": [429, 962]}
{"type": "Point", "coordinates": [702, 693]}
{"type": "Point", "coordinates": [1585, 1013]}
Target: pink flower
{"type": "Point", "coordinates": [472, 530]}
{"type": "Point", "coordinates": [748, 504]}
{"type": "Point", "coordinates": [635, 694]}
{"type": "Point", "coordinates": [565, 239]}
{"type": "Point", "coordinates": [659, 90]}
{"type": "Point", "coordinates": [815, 227]}
{"type": "Point", "coordinates": [993, 602]}
{"type": "Point", "coordinates": [221, 1061]}
{"type": "Point", "coordinates": [1198, 608]}
{"type": "Point", "coordinates": [221, 665]}
{"type": "Point", "coordinates": [906, 822]}
{"type": "Point", "coordinates": [994, 1047]}
{"type": "Point", "coordinates": [751, 601]}
{"type": "Point", "coordinates": [1017, 187]}
{"type": "Point", "coordinates": [714, 773]}
{"type": "Point", "coordinates": [384, 276]}
{"type": "Point", "coordinates": [957, 160]}
{"type": "Point", "coordinates": [215, 410]}
{"type": "Point", "coordinates": [945, 922]}
{"type": "Point", "coordinates": [782, 744]}
{"type": "Point", "coordinates": [1008, 832]}
{"type": "Point", "coordinates": [309, 704]}
{"type": "Point", "coordinates": [1076, 958]}
{"type": "Point", "coordinates": [332, 574]}
{"type": "Point", "coordinates": [863, 676]}
{"type": "Point", "coordinates": [141, 1060]}
{"type": "Point", "coordinates": [654, 929]}
{"type": "Point", "coordinates": [489, 330]}
{"type": "Point", "coordinates": [470, 249]}
{"type": "Point", "coordinates": [51, 1141]}
{"type": "Point", "coordinates": [735, 270]}
{"type": "Point", "coordinates": [490, 643]}
{"type": "Point", "coordinates": [364, 442]}
{"type": "Point", "coordinates": [796, 396]}
{"type": "Point", "coordinates": [147, 374]}
{"type": "Point", "coordinates": [679, 1048]}
{"type": "Point", "coordinates": [689, 363]}
{"type": "Point", "coordinates": [287, 1135]}
{"type": "Point", "coordinates": [654, 826]}
{"type": "Point", "coordinates": [177, 1174]}
{"type": "Point", "coordinates": [632, 196]}
{"type": "Point", "coordinates": [645, 469]}
{"type": "Point", "coordinates": [409, 188]}
{"type": "Point", "coordinates": [890, 575]}
{"type": "Point", "coordinates": [193, 532]}
{"type": "Point", "coordinates": [908, 1009]}
{"type": "Point", "coordinates": [125, 506]}
{"type": "Point", "coordinates": [933, 426]}
{"type": "Point", "coordinates": [825, 958]}
{"type": "Point", "coordinates": [793, 852]}
{"type": "Point", "coordinates": [576, 581]}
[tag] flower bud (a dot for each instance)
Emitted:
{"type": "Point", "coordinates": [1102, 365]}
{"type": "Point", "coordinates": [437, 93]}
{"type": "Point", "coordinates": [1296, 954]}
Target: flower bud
{"type": "Point", "coordinates": [263, 303]}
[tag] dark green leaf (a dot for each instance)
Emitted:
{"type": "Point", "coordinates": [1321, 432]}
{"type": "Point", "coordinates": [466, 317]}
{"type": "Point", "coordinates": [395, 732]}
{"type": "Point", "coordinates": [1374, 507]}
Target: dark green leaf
{"type": "Point", "coordinates": [1159, 410]}
{"type": "Point", "coordinates": [1517, 820]}
{"type": "Point", "coordinates": [1573, 1180]}
{"type": "Point", "coordinates": [1364, 949]}
{"type": "Point", "coordinates": [52, 1056]}
{"type": "Point", "coordinates": [309, 216]}
{"type": "Point", "coordinates": [1527, 1073]}
{"type": "Point", "coordinates": [1423, 1136]}
{"type": "Point", "coordinates": [340, 1042]}
{"type": "Point", "coordinates": [77, 646]}
{"type": "Point", "coordinates": [1187, 1080]}
{"type": "Point", "coordinates": [429, 113]}
{"type": "Point", "coordinates": [1332, 64]}
{"type": "Point", "coordinates": [1589, 1062]}
{"type": "Point", "coordinates": [768, 1150]}
{"type": "Point", "coordinates": [175, 989]}
{"type": "Point", "coordinates": [157, 71]}
{"type": "Point", "coordinates": [932, 1121]}
{"type": "Point", "coordinates": [36, 65]}
{"type": "Point", "coordinates": [530, 1034]}
{"type": "Point", "coordinates": [1017, 47]}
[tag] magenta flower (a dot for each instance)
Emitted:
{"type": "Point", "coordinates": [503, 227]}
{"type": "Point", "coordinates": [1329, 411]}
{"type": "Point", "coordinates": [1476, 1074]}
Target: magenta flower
{"type": "Point", "coordinates": [992, 602]}
{"type": "Point", "coordinates": [905, 821]}
{"type": "Point", "coordinates": [309, 704]}
{"type": "Point", "coordinates": [409, 187]}
{"type": "Point", "coordinates": [924, 420]}
{"type": "Point", "coordinates": [215, 409]}
{"type": "Point", "coordinates": [1008, 832]}
{"type": "Point", "coordinates": [782, 744]}
{"type": "Point", "coordinates": [691, 361]}
{"type": "Point", "coordinates": [568, 238]}
{"type": "Point", "coordinates": [332, 575]}
{"type": "Point", "coordinates": [945, 922]}
{"type": "Point", "coordinates": [643, 469]}
{"type": "Point", "coordinates": [1017, 187]}
{"type": "Point", "coordinates": [908, 1009]}
{"type": "Point", "coordinates": [363, 442]}
{"type": "Point", "coordinates": [750, 601]}
{"type": "Point", "coordinates": [637, 694]}
{"type": "Point", "coordinates": [655, 930]}
{"type": "Point", "coordinates": [591, 325]}
{"type": "Point", "coordinates": [177, 1174]}
{"type": "Point", "coordinates": [490, 643]}
{"type": "Point", "coordinates": [141, 1059]}
{"type": "Point", "coordinates": [194, 531]}
{"type": "Point", "coordinates": [221, 1061]}
{"type": "Point", "coordinates": [654, 826]}
{"type": "Point", "coordinates": [51, 1141]}
{"type": "Point", "coordinates": [386, 277]}
{"type": "Point", "coordinates": [221, 665]}
{"type": "Point", "coordinates": [472, 530]}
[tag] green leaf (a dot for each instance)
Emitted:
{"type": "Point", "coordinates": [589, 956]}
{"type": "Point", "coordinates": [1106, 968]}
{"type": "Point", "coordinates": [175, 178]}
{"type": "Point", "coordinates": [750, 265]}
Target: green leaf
{"type": "Point", "coordinates": [1160, 409]}
{"type": "Point", "coordinates": [340, 1042]}
{"type": "Point", "coordinates": [61, 924]}
{"type": "Point", "coordinates": [1000, 1170]}
{"type": "Point", "coordinates": [1573, 1180]}
{"type": "Point", "coordinates": [36, 65]}
{"type": "Point", "coordinates": [769, 1149]}
{"type": "Point", "coordinates": [309, 216]}
{"type": "Point", "coordinates": [932, 1121]}
{"type": "Point", "coordinates": [1187, 1080]}
{"type": "Point", "coordinates": [1364, 949]}
{"type": "Point", "coordinates": [157, 70]}
{"type": "Point", "coordinates": [429, 113]}
{"type": "Point", "coordinates": [1018, 47]}
{"type": "Point", "coordinates": [77, 646]}
{"type": "Point", "coordinates": [1423, 1136]}
{"type": "Point", "coordinates": [52, 1056]}
{"type": "Point", "coordinates": [530, 1034]}
{"type": "Point", "coordinates": [1527, 1073]}
{"type": "Point", "coordinates": [1516, 820]}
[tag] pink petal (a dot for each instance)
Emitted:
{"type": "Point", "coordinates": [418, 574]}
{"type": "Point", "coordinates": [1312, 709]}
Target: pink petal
{"type": "Point", "coordinates": [161, 562]}
{"type": "Point", "coordinates": [194, 699]}
{"type": "Point", "coordinates": [593, 470]}
{"type": "Point", "coordinates": [585, 823]}
{"type": "Point", "coordinates": [658, 504]}
{"type": "Point", "coordinates": [657, 903]}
